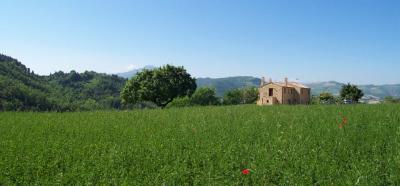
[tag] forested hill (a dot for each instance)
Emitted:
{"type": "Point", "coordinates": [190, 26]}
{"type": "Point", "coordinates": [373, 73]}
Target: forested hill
{"type": "Point", "coordinates": [22, 89]}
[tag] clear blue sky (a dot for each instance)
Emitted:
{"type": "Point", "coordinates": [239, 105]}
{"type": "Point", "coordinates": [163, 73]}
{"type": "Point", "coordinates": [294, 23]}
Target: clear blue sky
{"type": "Point", "coordinates": [354, 41]}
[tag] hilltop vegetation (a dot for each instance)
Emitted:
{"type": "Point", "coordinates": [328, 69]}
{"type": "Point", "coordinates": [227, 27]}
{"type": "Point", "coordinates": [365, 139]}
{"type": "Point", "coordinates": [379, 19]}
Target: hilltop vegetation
{"type": "Point", "coordinates": [88, 90]}
{"type": "Point", "coordinates": [283, 145]}
{"type": "Point", "coordinates": [21, 89]}
{"type": "Point", "coordinates": [222, 85]}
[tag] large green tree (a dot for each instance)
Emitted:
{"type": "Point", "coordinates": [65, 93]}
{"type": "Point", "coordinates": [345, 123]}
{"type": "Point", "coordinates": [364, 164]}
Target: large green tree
{"type": "Point", "coordinates": [351, 92]}
{"type": "Point", "coordinates": [160, 86]}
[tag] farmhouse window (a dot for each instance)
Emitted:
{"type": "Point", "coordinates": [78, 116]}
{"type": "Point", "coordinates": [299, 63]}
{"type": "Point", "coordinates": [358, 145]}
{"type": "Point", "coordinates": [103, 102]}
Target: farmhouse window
{"type": "Point", "coordinates": [271, 92]}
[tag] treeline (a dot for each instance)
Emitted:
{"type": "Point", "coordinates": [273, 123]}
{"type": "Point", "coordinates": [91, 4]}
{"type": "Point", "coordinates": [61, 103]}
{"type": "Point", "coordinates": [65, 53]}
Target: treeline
{"type": "Point", "coordinates": [170, 86]}
{"type": "Point", "coordinates": [391, 99]}
{"type": "Point", "coordinates": [207, 96]}
{"type": "Point", "coordinates": [23, 90]}
{"type": "Point", "coordinates": [164, 87]}
{"type": "Point", "coordinates": [349, 94]}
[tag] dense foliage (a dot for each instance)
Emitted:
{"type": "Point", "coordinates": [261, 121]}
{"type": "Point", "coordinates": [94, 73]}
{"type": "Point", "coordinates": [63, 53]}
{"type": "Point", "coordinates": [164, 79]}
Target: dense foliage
{"type": "Point", "coordinates": [21, 89]}
{"type": "Point", "coordinates": [180, 102]}
{"type": "Point", "coordinates": [159, 85]}
{"type": "Point", "coordinates": [204, 96]}
{"type": "Point", "coordinates": [390, 99]}
{"type": "Point", "coordinates": [241, 96]}
{"type": "Point", "coordinates": [326, 98]}
{"type": "Point", "coordinates": [351, 92]}
{"type": "Point", "coordinates": [284, 145]}
{"type": "Point", "coordinates": [88, 90]}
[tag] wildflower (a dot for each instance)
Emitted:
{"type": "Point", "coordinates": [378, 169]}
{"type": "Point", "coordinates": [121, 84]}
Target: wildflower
{"type": "Point", "coordinates": [344, 121]}
{"type": "Point", "coordinates": [245, 171]}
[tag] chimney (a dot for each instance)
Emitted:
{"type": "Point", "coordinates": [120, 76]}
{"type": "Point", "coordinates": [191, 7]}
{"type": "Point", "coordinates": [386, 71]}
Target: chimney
{"type": "Point", "coordinates": [262, 81]}
{"type": "Point", "coordinates": [286, 81]}
{"type": "Point", "coordinates": [270, 80]}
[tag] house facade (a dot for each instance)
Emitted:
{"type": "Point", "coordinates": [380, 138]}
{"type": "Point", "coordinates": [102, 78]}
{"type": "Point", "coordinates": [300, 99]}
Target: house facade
{"type": "Point", "coordinates": [274, 93]}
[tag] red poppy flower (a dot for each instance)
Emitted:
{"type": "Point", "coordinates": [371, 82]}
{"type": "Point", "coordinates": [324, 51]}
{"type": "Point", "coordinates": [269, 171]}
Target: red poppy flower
{"type": "Point", "coordinates": [344, 120]}
{"type": "Point", "coordinates": [245, 171]}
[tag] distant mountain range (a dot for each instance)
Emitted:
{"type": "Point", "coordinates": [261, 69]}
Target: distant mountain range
{"type": "Point", "coordinates": [379, 91]}
{"type": "Point", "coordinates": [223, 84]}
{"type": "Point", "coordinates": [132, 73]}
{"type": "Point", "coordinates": [21, 89]}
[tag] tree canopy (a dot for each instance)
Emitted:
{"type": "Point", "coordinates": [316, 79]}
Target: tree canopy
{"type": "Point", "coordinates": [351, 92]}
{"type": "Point", "coordinates": [159, 85]}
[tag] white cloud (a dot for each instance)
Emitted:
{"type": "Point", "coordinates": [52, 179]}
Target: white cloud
{"type": "Point", "coordinates": [130, 67]}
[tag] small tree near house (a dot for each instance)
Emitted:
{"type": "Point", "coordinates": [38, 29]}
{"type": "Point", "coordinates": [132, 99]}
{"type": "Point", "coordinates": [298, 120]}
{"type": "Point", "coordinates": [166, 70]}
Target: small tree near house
{"type": "Point", "coordinates": [351, 92]}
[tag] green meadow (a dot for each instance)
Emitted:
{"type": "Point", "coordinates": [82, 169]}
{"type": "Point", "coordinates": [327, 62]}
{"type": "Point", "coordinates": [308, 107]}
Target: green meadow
{"type": "Point", "coordinates": [280, 145]}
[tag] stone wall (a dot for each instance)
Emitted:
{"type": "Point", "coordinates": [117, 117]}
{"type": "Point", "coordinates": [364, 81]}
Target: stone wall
{"type": "Point", "coordinates": [283, 95]}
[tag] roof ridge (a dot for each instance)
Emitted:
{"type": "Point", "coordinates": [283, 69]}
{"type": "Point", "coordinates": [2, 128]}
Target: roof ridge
{"type": "Point", "coordinates": [290, 84]}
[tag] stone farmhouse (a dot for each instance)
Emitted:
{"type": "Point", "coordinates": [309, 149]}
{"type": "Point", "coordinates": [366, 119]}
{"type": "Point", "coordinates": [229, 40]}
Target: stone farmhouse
{"type": "Point", "coordinates": [274, 93]}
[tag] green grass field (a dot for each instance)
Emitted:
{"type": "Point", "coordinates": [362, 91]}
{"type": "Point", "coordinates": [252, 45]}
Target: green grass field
{"type": "Point", "coordinates": [282, 145]}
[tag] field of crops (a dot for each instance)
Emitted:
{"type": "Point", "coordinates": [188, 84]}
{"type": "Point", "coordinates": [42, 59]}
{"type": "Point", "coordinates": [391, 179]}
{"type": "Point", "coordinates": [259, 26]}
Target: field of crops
{"type": "Point", "coordinates": [304, 145]}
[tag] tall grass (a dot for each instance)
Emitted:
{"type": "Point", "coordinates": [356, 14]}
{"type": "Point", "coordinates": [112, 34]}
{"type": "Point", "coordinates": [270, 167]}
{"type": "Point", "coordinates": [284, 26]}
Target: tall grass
{"type": "Point", "coordinates": [282, 145]}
